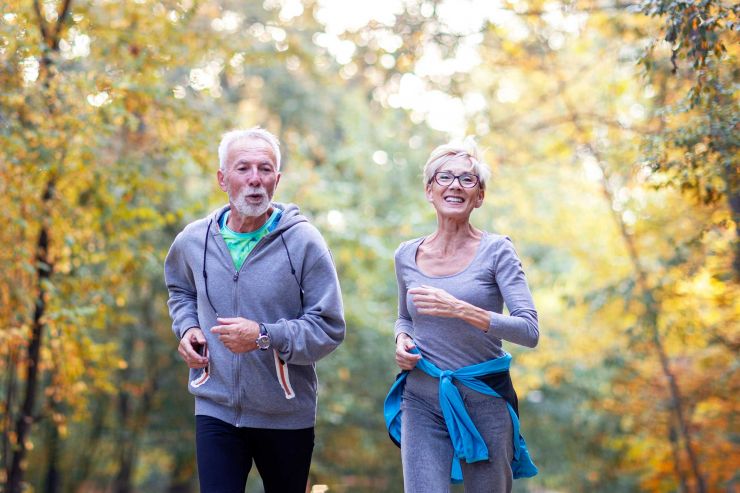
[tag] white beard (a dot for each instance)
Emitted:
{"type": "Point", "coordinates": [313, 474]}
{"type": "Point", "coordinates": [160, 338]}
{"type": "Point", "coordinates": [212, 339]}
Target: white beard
{"type": "Point", "coordinates": [251, 210]}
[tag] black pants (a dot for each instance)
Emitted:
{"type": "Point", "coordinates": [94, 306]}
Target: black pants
{"type": "Point", "coordinates": [225, 454]}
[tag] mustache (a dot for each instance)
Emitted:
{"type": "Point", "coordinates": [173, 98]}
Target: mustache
{"type": "Point", "coordinates": [255, 191]}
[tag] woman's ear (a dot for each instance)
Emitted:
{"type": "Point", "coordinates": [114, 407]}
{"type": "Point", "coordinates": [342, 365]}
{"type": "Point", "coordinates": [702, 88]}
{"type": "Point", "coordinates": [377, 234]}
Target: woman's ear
{"type": "Point", "coordinates": [480, 197]}
{"type": "Point", "coordinates": [428, 192]}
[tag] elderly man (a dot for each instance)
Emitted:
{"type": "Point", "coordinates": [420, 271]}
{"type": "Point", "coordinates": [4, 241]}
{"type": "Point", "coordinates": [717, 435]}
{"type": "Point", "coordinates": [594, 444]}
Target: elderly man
{"type": "Point", "coordinates": [255, 302]}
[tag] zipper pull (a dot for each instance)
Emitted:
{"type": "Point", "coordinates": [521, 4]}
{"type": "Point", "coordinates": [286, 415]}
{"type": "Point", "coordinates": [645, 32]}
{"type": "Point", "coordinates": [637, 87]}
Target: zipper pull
{"type": "Point", "coordinates": [236, 276]}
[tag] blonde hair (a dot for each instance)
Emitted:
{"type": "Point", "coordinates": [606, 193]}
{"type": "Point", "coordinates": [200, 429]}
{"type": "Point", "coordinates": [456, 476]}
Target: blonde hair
{"type": "Point", "coordinates": [467, 149]}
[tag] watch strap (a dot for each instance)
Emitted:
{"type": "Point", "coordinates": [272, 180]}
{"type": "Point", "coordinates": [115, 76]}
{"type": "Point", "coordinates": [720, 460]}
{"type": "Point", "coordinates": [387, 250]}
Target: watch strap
{"type": "Point", "coordinates": [263, 340]}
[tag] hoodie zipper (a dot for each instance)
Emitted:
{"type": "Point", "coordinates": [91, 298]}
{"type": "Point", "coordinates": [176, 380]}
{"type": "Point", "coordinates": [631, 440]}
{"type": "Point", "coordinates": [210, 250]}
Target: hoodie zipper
{"type": "Point", "coordinates": [281, 368]}
{"type": "Point", "coordinates": [237, 357]}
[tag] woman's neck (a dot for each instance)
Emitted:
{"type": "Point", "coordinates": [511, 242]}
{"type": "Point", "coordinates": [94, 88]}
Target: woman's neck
{"type": "Point", "coordinates": [451, 236]}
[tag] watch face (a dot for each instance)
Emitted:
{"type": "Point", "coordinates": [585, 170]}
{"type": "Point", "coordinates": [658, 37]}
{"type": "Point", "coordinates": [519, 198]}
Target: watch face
{"type": "Point", "coordinates": [263, 341]}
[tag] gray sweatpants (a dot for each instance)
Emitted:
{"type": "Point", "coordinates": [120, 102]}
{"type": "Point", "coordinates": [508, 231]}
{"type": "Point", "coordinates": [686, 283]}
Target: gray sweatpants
{"type": "Point", "coordinates": [426, 449]}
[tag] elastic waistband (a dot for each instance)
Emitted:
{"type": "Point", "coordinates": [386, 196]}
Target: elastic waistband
{"type": "Point", "coordinates": [294, 420]}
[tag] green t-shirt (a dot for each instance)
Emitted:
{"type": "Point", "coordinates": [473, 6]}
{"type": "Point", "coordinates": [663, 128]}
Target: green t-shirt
{"type": "Point", "coordinates": [240, 244]}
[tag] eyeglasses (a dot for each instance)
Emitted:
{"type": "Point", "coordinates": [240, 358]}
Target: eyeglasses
{"type": "Point", "coordinates": [445, 179]}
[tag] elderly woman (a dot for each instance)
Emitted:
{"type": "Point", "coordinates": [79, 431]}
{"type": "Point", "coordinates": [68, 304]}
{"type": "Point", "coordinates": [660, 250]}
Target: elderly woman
{"type": "Point", "coordinates": [453, 408]}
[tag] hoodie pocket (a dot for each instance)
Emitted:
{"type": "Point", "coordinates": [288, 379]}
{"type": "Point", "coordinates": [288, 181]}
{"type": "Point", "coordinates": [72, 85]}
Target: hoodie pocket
{"type": "Point", "coordinates": [283, 376]}
{"type": "Point", "coordinates": [210, 383]}
{"type": "Point", "coordinates": [199, 377]}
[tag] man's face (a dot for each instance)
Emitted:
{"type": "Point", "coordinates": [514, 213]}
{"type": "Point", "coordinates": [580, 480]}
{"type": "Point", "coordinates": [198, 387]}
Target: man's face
{"type": "Point", "coordinates": [250, 177]}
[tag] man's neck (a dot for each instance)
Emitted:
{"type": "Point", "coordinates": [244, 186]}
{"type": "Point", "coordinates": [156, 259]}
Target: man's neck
{"type": "Point", "coordinates": [246, 224]}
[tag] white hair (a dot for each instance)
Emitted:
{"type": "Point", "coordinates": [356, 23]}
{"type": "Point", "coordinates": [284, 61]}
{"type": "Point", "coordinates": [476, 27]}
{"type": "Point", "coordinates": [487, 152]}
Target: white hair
{"type": "Point", "coordinates": [251, 133]}
{"type": "Point", "coordinates": [467, 149]}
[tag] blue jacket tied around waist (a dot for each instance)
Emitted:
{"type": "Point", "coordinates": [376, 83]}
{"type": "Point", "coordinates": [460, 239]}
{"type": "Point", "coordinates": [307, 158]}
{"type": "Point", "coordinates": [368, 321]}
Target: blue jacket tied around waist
{"type": "Point", "coordinates": [466, 440]}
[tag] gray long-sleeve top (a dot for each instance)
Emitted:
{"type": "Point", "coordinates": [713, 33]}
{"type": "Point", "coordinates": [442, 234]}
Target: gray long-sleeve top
{"type": "Point", "coordinates": [494, 277]}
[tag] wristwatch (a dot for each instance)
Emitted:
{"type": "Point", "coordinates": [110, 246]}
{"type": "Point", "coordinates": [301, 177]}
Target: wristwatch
{"type": "Point", "coordinates": [263, 341]}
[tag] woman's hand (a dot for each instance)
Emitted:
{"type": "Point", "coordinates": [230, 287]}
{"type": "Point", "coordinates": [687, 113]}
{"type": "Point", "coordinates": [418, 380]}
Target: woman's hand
{"type": "Point", "coordinates": [439, 303]}
{"type": "Point", "coordinates": [405, 359]}
{"type": "Point", "coordinates": [434, 301]}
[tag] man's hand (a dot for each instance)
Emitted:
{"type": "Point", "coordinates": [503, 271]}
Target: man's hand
{"type": "Point", "coordinates": [405, 359]}
{"type": "Point", "coordinates": [192, 341]}
{"type": "Point", "coordinates": [435, 301]}
{"type": "Point", "coordinates": [237, 334]}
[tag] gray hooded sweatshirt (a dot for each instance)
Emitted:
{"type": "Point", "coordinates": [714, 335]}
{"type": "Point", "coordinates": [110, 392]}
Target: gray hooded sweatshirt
{"type": "Point", "coordinates": [276, 388]}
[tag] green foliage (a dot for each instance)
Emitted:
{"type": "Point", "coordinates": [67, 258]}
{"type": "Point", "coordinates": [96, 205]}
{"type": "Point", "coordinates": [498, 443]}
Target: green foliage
{"type": "Point", "coordinates": [618, 187]}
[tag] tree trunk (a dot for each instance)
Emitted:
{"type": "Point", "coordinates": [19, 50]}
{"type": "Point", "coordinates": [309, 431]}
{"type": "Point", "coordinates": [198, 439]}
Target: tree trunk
{"type": "Point", "coordinates": [734, 200]}
{"type": "Point", "coordinates": [651, 325]}
{"type": "Point", "coordinates": [683, 486]}
{"type": "Point", "coordinates": [53, 480]}
{"type": "Point", "coordinates": [122, 483]}
{"type": "Point", "coordinates": [44, 268]}
{"type": "Point", "coordinates": [181, 480]}
{"type": "Point", "coordinates": [8, 409]}
{"type": "Point", "coordinates": [737, 249]}
{"type": "Point", "coordinates": [651, 307]}
{"type": "Point", "coordinates": [85, 458]}
{"type": "Point", "coordinates": [50, 37]}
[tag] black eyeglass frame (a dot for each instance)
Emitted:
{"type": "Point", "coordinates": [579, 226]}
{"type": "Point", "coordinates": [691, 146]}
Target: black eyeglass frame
{"type": "Point", "coordinates": [455, 177]}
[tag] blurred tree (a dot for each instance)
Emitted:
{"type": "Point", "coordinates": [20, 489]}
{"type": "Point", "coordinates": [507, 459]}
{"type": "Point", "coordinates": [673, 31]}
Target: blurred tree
{"type": "Point", "coordinates": [109, 119]}
{"type": "Point", "coordinates": [697, 147]}
{"type": "Point", "coordinates": [561, 80]}
{"type": "Point", "coordinates": [89, 138]}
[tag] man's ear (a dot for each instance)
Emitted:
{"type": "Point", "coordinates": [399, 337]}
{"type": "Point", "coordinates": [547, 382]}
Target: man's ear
{"type": "Point", "coordinates": [221, 179]}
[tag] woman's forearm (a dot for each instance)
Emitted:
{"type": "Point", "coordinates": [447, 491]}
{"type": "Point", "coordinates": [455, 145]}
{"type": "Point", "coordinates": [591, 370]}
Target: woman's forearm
{"type": "Point", "coordinates": [477, 317]}
{"type": "Point", "coordinates": [521, 330]}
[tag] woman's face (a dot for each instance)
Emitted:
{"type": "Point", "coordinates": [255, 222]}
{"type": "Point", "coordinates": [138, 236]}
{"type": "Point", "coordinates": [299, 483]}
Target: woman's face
{"type": "Point", "coordinates": [453, 200]}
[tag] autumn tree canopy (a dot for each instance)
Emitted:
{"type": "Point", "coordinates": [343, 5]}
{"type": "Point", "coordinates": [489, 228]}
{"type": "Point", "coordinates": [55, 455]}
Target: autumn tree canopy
{"type": "Point", "coordinates": [612, 131]}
